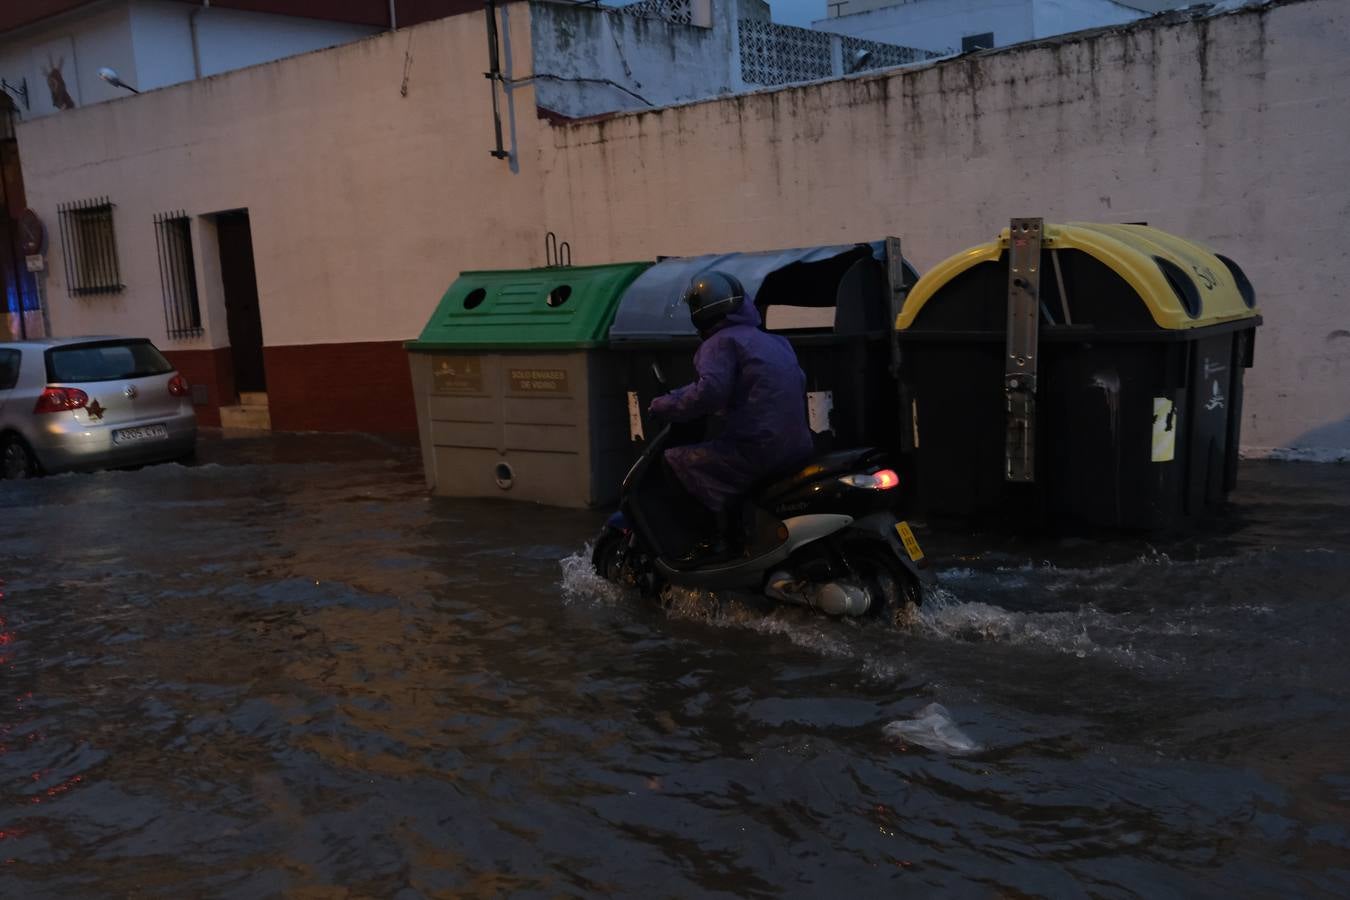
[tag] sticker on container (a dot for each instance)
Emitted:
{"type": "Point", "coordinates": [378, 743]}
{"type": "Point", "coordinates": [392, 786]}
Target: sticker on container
{"type": "Point", "coordinates": [818, 407]}
{"type": "Point", "coordinates": [1164, 430]}
{"type": "Point", "coordinates": [634, 417]}
{"type": "Point", "coordinates": [456, 375]}
{"type": "Point", "coordinates": [539, 381]}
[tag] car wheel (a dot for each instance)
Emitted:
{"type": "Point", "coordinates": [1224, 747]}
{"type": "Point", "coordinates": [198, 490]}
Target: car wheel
{"type": "Point", "coordinates": [16, 460]}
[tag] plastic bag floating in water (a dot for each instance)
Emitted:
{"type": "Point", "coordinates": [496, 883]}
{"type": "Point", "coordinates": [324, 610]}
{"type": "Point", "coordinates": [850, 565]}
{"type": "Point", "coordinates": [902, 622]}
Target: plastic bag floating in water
{"type": "Point", "coordinates": [932, 727]}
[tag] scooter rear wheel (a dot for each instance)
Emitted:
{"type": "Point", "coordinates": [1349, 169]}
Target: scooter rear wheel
{"type": "Point", "coordinates": [892, 587]}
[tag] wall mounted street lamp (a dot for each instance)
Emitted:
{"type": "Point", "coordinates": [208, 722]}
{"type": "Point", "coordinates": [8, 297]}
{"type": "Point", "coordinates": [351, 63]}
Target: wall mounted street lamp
{"type": "Point", "coordinates": [110, 76]}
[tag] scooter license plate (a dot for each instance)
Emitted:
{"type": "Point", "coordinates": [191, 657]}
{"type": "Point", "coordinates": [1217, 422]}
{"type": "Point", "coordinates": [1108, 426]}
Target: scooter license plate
{"type": "Point", "coordinates": [909, 540]}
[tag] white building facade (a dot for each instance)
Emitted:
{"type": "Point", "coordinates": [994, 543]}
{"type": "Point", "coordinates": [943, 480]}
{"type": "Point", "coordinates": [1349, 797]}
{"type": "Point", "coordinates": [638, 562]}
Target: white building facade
{"type": "Point", "coordinates": [963, 26]}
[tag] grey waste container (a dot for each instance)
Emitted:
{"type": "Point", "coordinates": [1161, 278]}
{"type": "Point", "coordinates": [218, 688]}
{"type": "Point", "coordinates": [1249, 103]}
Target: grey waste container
{"type": "Point", "coordinates": [833, 303]}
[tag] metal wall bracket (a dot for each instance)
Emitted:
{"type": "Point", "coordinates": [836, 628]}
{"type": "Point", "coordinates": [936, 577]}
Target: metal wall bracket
{"type": "Point", "coordinates": [494, 75]}
{"type": "Point", "coordinates": [1019, 370]}
{"type": "Point", "coordinates": [19, 90]}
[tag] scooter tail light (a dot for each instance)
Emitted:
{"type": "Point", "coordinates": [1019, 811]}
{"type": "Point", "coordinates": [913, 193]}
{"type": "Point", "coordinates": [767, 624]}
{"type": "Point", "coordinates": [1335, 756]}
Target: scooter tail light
{"type": "Point", "coordinates": [59, 399]}
{"type": "Point", "coordinates": [882, 480]}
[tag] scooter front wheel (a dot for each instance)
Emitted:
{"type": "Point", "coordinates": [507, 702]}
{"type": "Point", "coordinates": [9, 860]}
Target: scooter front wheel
{"type": "Point", "coordinates": [607, 557]}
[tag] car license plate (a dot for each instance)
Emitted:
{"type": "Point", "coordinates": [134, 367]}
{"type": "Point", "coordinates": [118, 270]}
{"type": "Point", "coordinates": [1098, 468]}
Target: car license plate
{"type": "Point", "coordinates": [909, 540]}
{"type": "Point", "coordinates": [143, 433]}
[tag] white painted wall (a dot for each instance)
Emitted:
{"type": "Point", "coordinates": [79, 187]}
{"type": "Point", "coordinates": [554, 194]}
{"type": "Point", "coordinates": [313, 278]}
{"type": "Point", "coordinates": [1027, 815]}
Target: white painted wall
{"type": "Point", "coordinates": [1052, 17]}
{"type": "Point", "coordinates": [1227, 130]}
{"type": "Point", "coordinates": [94, 37]}
{"type": "Point", "coordinates": [227, 39]}
{"type": "Point", "coordinates": [149, 43]}
{"type": "Point", "coordinates": [938, 24]}
{"type": "Point", "coordinates": [364, 204]}
{"type": "Point", "coordinates": [941, 24]}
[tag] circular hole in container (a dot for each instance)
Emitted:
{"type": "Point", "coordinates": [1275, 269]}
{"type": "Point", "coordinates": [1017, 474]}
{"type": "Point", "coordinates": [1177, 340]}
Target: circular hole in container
{"type": "Point", "coordinates": [558, 296]}
{"type": "Point", "coordinates": [474, 298]}
{"type": "Point", "coordinates": [503, 475]}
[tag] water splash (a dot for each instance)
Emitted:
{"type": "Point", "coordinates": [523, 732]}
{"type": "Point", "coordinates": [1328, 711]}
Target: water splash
{"type": "Point", "coordinates": [582, 584]}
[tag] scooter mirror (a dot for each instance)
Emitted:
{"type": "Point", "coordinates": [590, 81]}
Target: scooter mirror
{"type": "Point", "coordinates": [658, 374]}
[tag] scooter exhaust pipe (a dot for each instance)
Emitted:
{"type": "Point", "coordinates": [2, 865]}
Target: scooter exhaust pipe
{"type": "Point", "coordinates": [832, 598]}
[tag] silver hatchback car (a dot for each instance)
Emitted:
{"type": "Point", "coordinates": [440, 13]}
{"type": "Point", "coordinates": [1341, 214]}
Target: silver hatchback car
{"type": "Point", "coordinates": [71, 404]}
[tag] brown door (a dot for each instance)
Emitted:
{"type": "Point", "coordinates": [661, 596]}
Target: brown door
{"type": "Point", "coordinates": [241, 300]}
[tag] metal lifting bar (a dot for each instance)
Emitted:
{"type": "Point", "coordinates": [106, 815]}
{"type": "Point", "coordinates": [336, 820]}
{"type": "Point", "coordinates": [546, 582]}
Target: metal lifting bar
{"type": "Point", "coordinates": [1019, 371]}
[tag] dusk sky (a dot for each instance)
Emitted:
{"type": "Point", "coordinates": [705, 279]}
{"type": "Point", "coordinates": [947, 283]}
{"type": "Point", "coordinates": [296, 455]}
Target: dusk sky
{"type": "Point", "coordinates": [797, 12]}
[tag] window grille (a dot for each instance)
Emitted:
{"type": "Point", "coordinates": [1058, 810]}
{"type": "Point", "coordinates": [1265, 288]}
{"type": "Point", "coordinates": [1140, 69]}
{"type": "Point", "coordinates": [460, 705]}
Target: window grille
{"type": "Point", "coordinates": [90, 247]}
{"type": "Point", "coordinates": [780, 54]}
{"type": "Point", "coordinates": [178, 274]}
{"type": "Point", "coordinates": [681, 12]}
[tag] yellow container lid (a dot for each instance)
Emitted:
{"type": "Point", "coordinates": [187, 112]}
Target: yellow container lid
{"type": "Point", "coordinates": [1167, 272]}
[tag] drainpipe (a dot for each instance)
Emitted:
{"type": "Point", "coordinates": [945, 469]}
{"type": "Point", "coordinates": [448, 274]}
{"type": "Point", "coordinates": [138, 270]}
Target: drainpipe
{"type": "Point", "coordinates": [192, 29]}
{"type": "Point", "coordinates": [393, 16]}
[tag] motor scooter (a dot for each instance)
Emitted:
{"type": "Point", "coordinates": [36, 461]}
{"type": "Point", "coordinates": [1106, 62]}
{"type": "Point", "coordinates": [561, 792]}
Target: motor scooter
{"type": "Point", "coordinates": [824, 536]}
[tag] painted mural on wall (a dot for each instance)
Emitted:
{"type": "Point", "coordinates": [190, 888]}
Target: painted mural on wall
{"type": "Point", "coordinates": [55, 60]}
{"type": "Point", "coordinates": [56, 83]}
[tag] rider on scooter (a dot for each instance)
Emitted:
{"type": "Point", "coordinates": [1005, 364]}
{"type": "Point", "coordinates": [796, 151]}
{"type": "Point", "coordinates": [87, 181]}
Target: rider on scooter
{"type": "Point", "coordinates": [752, 380]}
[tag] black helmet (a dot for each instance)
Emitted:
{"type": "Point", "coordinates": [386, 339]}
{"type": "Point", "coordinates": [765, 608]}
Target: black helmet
{"type": "Point", "coordinates": [712, 297]}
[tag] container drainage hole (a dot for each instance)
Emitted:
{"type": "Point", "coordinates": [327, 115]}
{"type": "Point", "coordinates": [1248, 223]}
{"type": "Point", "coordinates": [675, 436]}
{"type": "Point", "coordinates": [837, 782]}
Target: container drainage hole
{"type": "Point", "coordinates": [558, 296]}
{"type": "Point", "coordinates": [474, 297]}
{"type": "Point", "coordinates": [504, 476]}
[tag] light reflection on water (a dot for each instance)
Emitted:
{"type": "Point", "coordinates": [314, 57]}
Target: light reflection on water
{"type": "Point", "coordinates": [290, 670]}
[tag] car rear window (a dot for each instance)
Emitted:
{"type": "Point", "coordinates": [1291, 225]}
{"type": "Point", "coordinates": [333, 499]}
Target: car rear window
{"type": "Point", "coordinates": [105, 361]}
{"type": "Point", "coordinates": [9, 368]}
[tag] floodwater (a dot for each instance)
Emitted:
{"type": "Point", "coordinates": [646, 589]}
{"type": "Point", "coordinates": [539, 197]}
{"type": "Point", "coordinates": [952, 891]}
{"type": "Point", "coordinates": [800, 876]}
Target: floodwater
{"type": "Point", "coordinates": [288, 672]}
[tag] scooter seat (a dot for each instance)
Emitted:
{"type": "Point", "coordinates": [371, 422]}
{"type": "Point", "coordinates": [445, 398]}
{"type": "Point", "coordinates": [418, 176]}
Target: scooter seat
{"type": "Point", "coordinates": [838, 461]}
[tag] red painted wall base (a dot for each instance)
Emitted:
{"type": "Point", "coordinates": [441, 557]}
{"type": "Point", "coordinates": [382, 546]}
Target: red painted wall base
{"type": "Point", "coordinates": [341, 387]}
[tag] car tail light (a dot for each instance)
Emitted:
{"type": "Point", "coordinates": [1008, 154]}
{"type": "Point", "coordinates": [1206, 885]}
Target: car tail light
{"type": "Point", "coordinates": [58, 399]}
{"type": "Point", "coordinates": [882, 480]}
{"type": "Point", "coordinates": [178, 386]}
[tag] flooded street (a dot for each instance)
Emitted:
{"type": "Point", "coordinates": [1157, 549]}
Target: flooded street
{"type": "Point", "coordinates": [287, 671]}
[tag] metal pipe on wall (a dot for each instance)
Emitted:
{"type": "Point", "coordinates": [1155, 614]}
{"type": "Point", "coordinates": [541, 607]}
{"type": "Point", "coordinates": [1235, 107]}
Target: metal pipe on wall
{"type": "Point", "coordinates": [393, 15]}
{"type": "Point", "coordinates": [192, 30]}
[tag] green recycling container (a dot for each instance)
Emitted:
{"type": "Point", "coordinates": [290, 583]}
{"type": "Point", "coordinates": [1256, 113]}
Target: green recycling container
{"type": "Point", "coordinates": [516, 394]}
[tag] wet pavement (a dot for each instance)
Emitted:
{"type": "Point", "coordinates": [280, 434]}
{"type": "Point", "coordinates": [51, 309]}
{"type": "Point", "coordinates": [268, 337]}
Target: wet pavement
{"type": "Point", "coordinates": [287, 671]}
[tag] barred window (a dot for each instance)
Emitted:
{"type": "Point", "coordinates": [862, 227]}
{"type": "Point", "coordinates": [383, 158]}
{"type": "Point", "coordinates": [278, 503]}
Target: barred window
{"type": "Point", "coordinates": [90, 247]}
{"type": "Point", "coordinates": [178, 274]}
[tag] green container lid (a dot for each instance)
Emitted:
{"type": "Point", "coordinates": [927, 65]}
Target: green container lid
{"type": "Point", "coordinates": [560, 308]}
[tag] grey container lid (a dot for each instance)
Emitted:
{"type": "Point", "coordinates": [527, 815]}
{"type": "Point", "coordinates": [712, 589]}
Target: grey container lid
{"type": "Point", "coordinates": [652, 309]}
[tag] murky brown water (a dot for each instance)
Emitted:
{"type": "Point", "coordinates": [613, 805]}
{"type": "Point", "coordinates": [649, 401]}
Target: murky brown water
{"type": "Point", "coordinates": [288, 671]}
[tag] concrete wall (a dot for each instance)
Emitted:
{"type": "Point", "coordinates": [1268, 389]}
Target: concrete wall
{"type": "Point", "coordinates": [941, 24]}
{"type": "Point", "coordinates": [1229, 130]}
{"type": "Point", "coordinates": [83, 42]}
{"type": "Point", "coordinates": [589, 61]}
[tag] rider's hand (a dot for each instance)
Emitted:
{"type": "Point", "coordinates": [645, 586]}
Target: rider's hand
{"type": "Point", "coordinates": [658, 409]}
